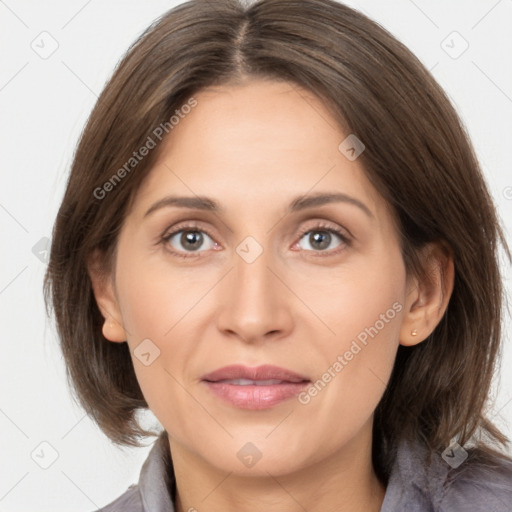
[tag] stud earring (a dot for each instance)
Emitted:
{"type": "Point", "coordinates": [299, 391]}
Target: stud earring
{"type": "Point", "coordinates": [414, 333]}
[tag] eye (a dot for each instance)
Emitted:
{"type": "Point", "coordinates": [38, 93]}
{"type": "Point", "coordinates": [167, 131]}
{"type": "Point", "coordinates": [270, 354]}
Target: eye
{"type": "Point", "coordinates": [321, 237]}
{"type": "Point", "coordinates": [188, 239]}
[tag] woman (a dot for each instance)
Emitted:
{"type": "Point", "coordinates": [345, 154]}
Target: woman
{"type": "Point", "coordinates": [276, 236]}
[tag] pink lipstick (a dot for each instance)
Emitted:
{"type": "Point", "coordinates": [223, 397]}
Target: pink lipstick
{"type": "Point", "coordinates": [255, 388]}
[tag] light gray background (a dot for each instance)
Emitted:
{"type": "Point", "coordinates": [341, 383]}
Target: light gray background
{"type": "Point", "coordinates": [45, 103]}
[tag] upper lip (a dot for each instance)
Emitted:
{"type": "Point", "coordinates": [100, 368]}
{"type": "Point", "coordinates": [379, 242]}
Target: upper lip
{"type": "Point", "coordinates": [264, 372]}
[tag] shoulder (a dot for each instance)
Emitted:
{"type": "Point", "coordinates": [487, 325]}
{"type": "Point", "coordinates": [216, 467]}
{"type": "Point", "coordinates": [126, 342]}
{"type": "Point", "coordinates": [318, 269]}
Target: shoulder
{"type": "Point", "coordinates": [129, 501]}
{"type": "Point", "coordinates": [422, 480]}
{"type": "Point", "coordinates": [481, 483]}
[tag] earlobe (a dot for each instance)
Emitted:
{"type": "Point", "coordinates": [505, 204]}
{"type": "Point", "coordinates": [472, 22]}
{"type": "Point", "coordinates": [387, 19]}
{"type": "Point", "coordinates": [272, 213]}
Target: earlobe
{"type": "Point", "coordinates": [103, 290]}
{"type": "Point", "coordinates": [113, 331]}
{"type": "Point", "coordinates": [428, 300]}
{"type": "Point", "coordinates": [412, 338]}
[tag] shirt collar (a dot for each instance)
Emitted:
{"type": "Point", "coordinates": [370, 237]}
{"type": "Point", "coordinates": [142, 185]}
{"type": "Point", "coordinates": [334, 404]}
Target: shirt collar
{"type": "Point", "coordinates": [153, 487]}
{"type": "Point", "coordinates": [415, 482]}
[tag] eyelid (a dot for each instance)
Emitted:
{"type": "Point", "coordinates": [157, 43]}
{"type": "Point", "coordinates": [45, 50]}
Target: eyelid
{"type": "Point", "coordinates": [192, 225]}
{"type": "Point", "coordinates": [320, 224]}
{"type": "Point", "coordinates": [318, 221]}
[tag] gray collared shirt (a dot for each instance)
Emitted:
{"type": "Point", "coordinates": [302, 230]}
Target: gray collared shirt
{"type": "Point", "coordinates": [413, 486]}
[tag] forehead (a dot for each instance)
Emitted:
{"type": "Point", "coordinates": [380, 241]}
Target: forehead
{"type": "Point", "coordinates": [261, 140]}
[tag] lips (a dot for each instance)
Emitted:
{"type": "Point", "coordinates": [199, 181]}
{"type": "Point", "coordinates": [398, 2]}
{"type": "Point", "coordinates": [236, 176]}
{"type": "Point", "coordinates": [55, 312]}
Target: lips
{"type": "Point", "coordinates": [239, 375]}
{"type": "Point", "coordinates": [258, 388]}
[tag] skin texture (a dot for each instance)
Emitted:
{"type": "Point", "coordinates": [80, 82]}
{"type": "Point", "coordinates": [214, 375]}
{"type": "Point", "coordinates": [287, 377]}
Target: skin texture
{"type": "Point", "coordinates": [253, 148]}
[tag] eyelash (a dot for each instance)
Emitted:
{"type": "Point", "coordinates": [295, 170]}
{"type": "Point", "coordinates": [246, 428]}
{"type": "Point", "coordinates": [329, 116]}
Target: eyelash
{"type": "Point", "coordinates": [319, 227]}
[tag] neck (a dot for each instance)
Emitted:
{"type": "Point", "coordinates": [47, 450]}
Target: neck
{"type": "Point", "coordinates": [343, 482]}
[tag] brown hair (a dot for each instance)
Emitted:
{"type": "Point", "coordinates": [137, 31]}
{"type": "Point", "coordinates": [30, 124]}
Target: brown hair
{"type": "Point", "coordinates": [417, 155]}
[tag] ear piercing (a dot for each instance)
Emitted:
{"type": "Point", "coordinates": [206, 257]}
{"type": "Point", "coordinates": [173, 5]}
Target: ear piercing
{"type": "Point", "coordinates": [414, 333]}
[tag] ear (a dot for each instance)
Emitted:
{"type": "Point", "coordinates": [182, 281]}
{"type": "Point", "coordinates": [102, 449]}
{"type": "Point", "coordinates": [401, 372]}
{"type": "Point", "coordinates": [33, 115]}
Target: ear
{"type": "Point", "coordinates": [428, 297]}
{"type": "Point", "coordinates": [103, 289]}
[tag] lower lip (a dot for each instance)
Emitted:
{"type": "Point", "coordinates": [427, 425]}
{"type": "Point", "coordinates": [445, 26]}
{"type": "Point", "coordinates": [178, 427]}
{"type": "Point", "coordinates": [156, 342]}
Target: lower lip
{"type": "Point", "coordinates": [256, 397]}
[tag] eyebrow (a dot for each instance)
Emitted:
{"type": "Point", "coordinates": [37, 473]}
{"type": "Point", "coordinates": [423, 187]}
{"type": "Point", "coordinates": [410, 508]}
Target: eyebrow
{"type": "Point", "coordinates": [299, 203]}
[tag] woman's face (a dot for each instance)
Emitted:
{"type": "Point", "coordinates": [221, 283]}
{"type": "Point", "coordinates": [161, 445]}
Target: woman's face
{"type": "Point", "coordinates": [259, 281]}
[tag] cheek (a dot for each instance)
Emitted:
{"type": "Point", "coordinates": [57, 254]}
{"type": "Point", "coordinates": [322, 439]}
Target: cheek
{"type": "Point", "coordinates": [362, 311]}
{"type": "Point", "coordinates": [154, 297]}
{"type": "Point", "coordinates": [361, 301]}
{"type": "Point", "coordinates": [152, 301]}
{"type": "Point", "coordinates": [361, 353]}
{"type": "Point", "coordinates": [152, 311]}
{"type": "Point", "coordinates": [355, 371]}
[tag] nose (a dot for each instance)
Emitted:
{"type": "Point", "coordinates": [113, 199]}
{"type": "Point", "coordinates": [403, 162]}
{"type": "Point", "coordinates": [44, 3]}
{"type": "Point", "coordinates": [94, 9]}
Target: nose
{"type": "Point", "coordinates": [255, 301]}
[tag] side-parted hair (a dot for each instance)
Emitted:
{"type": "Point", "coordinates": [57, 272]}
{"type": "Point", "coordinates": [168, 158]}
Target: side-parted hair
{"type": "Point", "coordinates": [417, 155]}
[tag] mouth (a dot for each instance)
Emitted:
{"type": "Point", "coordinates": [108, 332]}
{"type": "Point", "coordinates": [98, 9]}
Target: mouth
{"type": "Point", "coordinates": [249, 382]}
{"type": "Point", "coordinates": [260, 375]}
{"type": "Point", "coordinates": [256, 388]}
